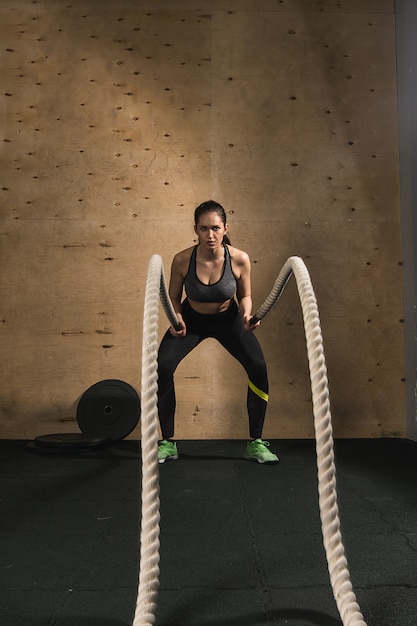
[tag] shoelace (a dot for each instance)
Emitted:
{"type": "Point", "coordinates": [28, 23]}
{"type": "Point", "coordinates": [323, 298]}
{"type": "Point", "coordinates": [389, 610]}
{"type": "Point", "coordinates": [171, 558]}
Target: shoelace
{"type": "Point", "coordinates": [263, 443]}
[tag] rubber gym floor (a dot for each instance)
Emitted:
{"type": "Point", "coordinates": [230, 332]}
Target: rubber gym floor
{"type": "Point", "coordinates": [241, 543]}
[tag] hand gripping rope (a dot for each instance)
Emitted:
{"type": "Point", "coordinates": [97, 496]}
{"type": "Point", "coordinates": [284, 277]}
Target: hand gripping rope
{"type": "Point", "coordinates": [332, 539]}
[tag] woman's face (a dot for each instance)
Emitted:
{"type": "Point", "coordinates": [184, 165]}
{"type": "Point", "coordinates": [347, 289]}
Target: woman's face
{"type": "Point", "coordinates": [210, 230]}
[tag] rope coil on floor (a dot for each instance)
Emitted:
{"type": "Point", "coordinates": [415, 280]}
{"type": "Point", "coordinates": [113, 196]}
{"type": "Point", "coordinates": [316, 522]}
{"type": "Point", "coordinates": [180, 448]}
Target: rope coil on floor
{"type": "Point", "coordinates": [332, 539]}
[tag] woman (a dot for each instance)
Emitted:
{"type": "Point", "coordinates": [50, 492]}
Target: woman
{"type": "Point", "coordinates": [213, 273]}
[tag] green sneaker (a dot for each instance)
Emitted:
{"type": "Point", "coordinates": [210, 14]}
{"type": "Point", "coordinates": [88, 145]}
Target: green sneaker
{"type": "Point", "coordinates": [257, 450]}
{"type": "Point", "coordinates": [167, 451]}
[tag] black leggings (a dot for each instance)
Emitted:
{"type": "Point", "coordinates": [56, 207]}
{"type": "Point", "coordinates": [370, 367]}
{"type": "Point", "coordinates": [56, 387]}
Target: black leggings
{"type": "Point", "coordinates": [227, 328]}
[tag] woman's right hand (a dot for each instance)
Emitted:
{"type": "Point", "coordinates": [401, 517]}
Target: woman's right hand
{"type": "Point", "coordinates": [182, 331]}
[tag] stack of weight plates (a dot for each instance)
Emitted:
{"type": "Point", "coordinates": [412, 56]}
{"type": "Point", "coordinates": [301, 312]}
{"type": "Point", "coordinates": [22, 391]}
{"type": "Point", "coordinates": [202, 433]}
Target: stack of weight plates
{"type": "Point", "coordinates": [108, 411]}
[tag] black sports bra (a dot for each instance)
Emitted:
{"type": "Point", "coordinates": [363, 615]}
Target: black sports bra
{"type": "Point", "coordinates": [223, 289]}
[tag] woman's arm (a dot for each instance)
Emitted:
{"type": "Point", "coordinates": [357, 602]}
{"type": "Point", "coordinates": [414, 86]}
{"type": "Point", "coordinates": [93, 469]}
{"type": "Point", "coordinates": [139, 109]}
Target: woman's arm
{"type": "Point", "coordinates": [176, 284]}
{"type": "Point", "coordinates": [244, 289]}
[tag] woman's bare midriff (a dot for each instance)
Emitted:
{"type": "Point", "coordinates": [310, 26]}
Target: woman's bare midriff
{"type": "Point", "coordinates": [209, 308]}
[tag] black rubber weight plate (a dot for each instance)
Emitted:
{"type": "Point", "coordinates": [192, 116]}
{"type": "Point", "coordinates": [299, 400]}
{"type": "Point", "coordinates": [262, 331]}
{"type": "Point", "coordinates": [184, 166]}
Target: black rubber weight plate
{"type": "Point", "coordinates": [68, 440]}
{"type": "Point", "coordinates": [108, 409]}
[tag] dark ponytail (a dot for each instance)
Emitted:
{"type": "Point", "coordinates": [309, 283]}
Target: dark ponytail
{"type": "Point", "coordinates": [210, 206]}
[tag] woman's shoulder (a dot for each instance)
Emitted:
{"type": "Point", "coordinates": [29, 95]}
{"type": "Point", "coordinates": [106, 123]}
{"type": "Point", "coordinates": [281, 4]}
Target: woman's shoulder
{"type": "Point", "coordinates": [181, 260]}
{"type": "Point", "coordinates": [238, 256]}
{"type": "Point", "coordinates": [184, 254]}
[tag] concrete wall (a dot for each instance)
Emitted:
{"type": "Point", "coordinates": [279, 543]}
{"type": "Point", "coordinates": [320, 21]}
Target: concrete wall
{"type": "Point", "coordinates": [406, 20]}
{"type": "Point", "coordinates": [118, 118]}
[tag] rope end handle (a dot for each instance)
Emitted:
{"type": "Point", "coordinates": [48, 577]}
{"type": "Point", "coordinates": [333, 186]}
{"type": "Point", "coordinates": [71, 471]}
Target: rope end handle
{"type": "Point", "coordinates": [254, 320]}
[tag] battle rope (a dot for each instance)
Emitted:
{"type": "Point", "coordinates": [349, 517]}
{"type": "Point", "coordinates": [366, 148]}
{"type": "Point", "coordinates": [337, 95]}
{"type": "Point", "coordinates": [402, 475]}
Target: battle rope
{"type": "Point", "coordinates": [332, 539]}
{"type": "Point", "coordinates": [149, 554]}
{"type": "Point", "coordinates": [149, 548]}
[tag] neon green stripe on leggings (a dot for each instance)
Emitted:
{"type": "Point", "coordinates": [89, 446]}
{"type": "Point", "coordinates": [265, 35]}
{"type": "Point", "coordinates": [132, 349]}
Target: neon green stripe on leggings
{"type": "Point", "coordinates": [258, 392]}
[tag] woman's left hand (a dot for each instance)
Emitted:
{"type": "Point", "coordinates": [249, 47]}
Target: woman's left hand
{"type": "Point", "coordinates": [247, 323]}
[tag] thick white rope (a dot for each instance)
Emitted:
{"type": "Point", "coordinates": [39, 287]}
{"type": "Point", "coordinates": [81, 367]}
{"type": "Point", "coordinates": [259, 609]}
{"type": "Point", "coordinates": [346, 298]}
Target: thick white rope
{"type": "Point", "coordinates": [149, 547]}
{"type": "Point", "coordinates": [332, 539]}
